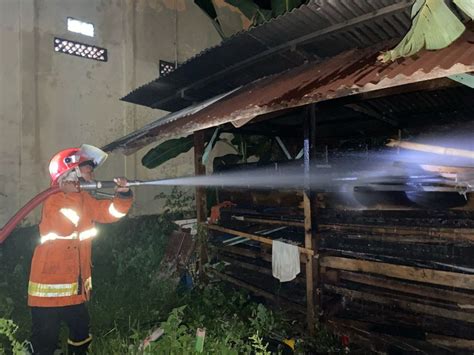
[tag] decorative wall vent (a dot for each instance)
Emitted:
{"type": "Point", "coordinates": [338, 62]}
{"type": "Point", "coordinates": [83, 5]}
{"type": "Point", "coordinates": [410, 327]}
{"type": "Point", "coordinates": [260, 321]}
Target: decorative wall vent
{"type": "Point", "coordinates": [166, 67]}
{"type": "Point", "coordinates": [80, 49]}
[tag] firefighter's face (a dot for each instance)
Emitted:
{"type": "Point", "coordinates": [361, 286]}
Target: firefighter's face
{"type": "Point", "coordinates": [87, 172]}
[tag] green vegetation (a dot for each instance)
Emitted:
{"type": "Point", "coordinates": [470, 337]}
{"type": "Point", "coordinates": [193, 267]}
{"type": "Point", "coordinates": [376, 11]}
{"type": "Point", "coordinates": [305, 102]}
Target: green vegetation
{"type": "Point", "coordinates": [129, 300]}
{"type": "Point", "coordinates": [254, 11]}
{"type": "Point", "coordinates": [434, 26]}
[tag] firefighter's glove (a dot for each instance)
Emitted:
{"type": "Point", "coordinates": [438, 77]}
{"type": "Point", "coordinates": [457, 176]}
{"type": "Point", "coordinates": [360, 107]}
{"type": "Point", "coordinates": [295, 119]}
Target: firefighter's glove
{"type": "Point", "coordinates": [121, 185]}
{"type": "Point", "coordinates": [69, 186]}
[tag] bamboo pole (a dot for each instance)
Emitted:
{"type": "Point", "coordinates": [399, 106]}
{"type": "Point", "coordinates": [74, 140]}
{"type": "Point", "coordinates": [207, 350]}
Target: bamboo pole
{"type": "Point", "coordinates": [251, 237]}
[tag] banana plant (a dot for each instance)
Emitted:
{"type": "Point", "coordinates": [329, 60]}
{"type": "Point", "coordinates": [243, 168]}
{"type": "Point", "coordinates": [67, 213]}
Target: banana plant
{"type": "Point", "coordinates": [434, 26]}
{"type": "Point", "coordinates": [249, 9]}
{"type": "Point", "coordinates": [243, 146]}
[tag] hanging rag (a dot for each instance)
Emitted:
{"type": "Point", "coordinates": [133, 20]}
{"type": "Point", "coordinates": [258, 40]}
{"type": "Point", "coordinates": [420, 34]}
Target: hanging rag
{"type": "Point", "coordinates": [285, 261]}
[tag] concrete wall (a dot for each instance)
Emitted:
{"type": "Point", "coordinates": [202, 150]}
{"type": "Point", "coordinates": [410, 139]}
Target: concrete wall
{"type": "Point", "coordinates": [50, 101]}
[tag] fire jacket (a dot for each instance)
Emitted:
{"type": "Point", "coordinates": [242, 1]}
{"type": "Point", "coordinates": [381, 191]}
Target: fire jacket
{"type": "Point", "coordinates": [61, 266]}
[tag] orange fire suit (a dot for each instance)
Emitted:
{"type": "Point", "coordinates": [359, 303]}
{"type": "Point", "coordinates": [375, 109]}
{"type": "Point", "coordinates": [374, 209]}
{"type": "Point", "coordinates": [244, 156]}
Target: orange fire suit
{"type": "Point", "coordinates": [61, 266]}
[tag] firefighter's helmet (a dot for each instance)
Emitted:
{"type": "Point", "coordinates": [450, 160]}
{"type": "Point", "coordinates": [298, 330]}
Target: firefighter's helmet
{"type": "Point", "coordinates": [69, 159]}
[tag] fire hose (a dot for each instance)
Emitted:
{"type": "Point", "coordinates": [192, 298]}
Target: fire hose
{"type": "Point", "coordinates": [38, 199]}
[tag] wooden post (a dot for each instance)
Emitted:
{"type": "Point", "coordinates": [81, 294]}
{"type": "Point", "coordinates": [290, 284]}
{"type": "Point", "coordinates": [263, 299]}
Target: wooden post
{"type": "Point", "coordinates": [309, 225]}
{"type": "Point", "coordinates": [252, 237]}
{"type": "Point", "coordinates": [201, 208]}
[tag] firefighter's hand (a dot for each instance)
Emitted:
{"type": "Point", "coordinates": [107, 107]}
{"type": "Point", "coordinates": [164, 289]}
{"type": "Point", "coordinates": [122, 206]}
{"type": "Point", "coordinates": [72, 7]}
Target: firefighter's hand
{"type": "Point", "coordinates": [69, 186]}
{"type": "Point", "coordinates": [121, 184]}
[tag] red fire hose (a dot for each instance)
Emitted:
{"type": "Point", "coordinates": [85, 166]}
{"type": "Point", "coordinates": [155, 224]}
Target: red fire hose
{"type": "Point", "coordinates": [23, 212]}
{"type": "Point", "coordinates": [85, 185]}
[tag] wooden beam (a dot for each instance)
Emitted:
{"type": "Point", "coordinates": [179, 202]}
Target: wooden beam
{"type": "Point", "coordinates": [372, 113]}
{"type": "Point", "coordinates": [310, 241]}
{"type": "Point", "coordinates": [462, 300]}
{"type": "Point", "coordinates": [445, 278]}
{"type": "Point", "coordinates": [406, 305]}
{"type": "Point", "coordinates": [260, 269]}
{"type": "Point", "coordinates": [201, 208]}
{"type": "Point", "coordinates": [251, 236]}
{"type": "Point", "coordinates": [258, 291]}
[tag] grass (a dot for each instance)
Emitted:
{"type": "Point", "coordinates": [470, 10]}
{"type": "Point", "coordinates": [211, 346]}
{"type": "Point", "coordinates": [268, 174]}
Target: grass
{"type": "Point", "coordinates": [129, 300]}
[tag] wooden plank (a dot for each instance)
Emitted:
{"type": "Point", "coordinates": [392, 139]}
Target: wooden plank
{"type": "Point", "coordinates": [245, 252]}
{"type": "Point", "coordinates": [248, 266]}
{"type": "Point", "coordinates": [406, 305]}
{"type": "Point", "coordinates": [462, 300]}
{"type": "Point", "coordinates": [258, 291]}
{"type": "Point", "coordinates": [260, 269]}
{"type": "Point", "coordinates": [379, 314]}
{"type": "Point", "coordinates": [451, 234]}
{"type": "Point", "coordinates": [201, 208]}
{"type": "Point", "coordinates": [437, 277]}
{"type": "Point", "coordinates": [442, 340]}
{"type": "Point", "coordinates": [385, 238]}
{"type": "Point", "coordinates": [384, 341]}
{"type": "Point", "coordinates": [251, 236]}
{"type": "Point", "coordinates": [252, 254]}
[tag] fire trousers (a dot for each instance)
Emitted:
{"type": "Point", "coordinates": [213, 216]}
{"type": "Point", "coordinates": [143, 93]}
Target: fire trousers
{"type": "Point", "coordinates": [46, 323]}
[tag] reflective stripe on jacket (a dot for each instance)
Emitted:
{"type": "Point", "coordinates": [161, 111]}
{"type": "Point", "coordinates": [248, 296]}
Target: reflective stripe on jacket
{"type": "Point", "coordinates": [61, 266]}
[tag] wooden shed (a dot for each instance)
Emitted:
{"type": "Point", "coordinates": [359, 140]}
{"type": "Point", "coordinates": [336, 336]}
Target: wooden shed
{"type": "Point", "coordinates": [388, 261]}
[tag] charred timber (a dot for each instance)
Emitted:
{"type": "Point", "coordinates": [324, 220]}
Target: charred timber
{"type": "Point", "coordinates": [403, 304]}
{"type": "Point", "coordinates": [424, 275]}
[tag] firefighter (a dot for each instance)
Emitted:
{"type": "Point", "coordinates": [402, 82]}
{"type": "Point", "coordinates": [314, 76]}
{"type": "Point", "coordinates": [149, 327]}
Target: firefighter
{"type": "Point", "coordinates": [60, 280]}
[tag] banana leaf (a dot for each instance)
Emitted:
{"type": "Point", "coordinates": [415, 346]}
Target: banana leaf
{"type": "Point", "coordinates": [251, 10]}
{"type": "Point", "coordinates": [434, 26]}
{"type": "Point", "coordinates": [166, 151]}
{"type": "Point", "coordinates": [279, 7]}
{"type": "Point", "coordinates": [467, 6]}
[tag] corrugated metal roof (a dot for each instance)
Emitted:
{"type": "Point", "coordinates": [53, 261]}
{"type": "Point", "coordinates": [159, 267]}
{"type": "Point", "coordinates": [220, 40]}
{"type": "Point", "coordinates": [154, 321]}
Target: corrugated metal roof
{"type": "Point", "coordinates": [321, 29]}
{"type": "Point", "coordinates": [351, 72]}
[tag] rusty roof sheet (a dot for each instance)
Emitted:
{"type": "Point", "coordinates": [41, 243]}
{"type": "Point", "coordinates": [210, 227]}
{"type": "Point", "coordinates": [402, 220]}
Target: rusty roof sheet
{"type": "Point", "coordinates": [320, 29]}
{"type": "Point", "coordinates": [351, 72]}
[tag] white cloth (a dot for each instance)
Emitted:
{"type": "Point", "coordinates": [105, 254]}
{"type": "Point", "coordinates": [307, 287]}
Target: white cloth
{"type": "Point", "coordinates": [285, 261]}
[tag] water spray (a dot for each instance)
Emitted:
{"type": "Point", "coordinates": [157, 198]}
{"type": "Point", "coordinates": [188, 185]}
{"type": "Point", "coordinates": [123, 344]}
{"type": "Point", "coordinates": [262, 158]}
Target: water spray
{"type": "Point", "coordinates": [451, 170]}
